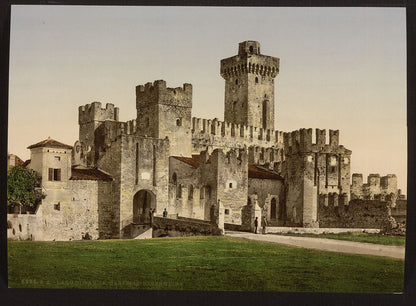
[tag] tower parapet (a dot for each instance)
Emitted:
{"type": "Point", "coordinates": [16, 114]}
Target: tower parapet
{"type": "Point", "coordinates": [158, 92]}
{"type": "Point", "coordinates": [302, 141]}
{"type": "Point", "coordinates": [94, 112]}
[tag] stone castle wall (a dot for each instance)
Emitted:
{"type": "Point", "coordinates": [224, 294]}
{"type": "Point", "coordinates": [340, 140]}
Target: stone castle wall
{"type": "Point", "coordinates": [144, 166]}
{"type": "Point", "coordinates": [232, 182]}
{"type": "Point", "coordinates": [268, 190]}
{"type": "Point", "coordinates": [166, 227]}
{"type": "Point", "coordinates": [358, 214]}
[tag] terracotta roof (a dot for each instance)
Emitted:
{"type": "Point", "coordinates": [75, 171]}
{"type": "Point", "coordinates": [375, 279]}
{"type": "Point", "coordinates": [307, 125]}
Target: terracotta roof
{"type": "Point", "coordinates": [90, 174]}
{"type": "Point", "coordinates": [50, 143]}
{"type": "Point", "coordinates": [253, 170]}
{"type": "Point", "coordinates": [194, 161]}
{"type": "Point", "coordinates": [262, 173]}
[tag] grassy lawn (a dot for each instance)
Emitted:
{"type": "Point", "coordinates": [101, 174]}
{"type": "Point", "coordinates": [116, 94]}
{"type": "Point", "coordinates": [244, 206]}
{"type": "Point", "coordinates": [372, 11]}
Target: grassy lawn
{"type": "Point", "coordinates": [197, 263]}
{"type": "Point", "coordinates": [359, 237]}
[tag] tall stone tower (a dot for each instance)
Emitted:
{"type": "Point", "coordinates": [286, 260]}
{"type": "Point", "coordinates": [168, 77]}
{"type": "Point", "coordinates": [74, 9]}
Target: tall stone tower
{"type": "Point", "coordinates": [166, 112]}
{"type": "Point", "coordinates": [249, 86]}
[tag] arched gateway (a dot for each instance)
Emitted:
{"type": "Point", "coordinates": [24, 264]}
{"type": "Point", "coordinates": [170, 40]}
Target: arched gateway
{"type": "Point", "coordinates": [143, 201]}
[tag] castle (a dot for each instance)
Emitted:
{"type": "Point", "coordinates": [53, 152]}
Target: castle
{"type": "Point", "coordinates": [225, 173]}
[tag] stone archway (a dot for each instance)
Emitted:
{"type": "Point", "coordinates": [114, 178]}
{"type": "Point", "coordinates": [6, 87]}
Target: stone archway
{"type": "Point", "coordinates": [143, 201]}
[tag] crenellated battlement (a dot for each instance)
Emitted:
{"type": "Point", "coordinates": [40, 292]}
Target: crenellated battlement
{"type": "Point", "coordinates": [375, 186]}
{"type": "Point", "coordinates": [302, 140]}
{"type": "Point", "coordinates": [249, 60]}
{"type": "Point", "coordinates": [94, 112]}
{"type": "Point", "coordinates": [262, 67]}
{"type": "Point", "coordinates": [265, 156]}
{"type": "Point", "coordinates": [234, 130]}
{"type": "Point", "coordinates": [158, 92]}
{"type": "Point", "coordinates": [129, 127]}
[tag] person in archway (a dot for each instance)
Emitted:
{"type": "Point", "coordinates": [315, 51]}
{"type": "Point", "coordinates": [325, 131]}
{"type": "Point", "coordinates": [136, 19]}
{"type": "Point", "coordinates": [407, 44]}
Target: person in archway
{"type": "Point", "coordinates": [263, 224]}
{"type": "Point", "coordinates": [256, 225]}
{"type": "Point", "coordinates": [165, 213]}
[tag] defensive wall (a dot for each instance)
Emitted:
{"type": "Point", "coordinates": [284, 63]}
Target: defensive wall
{"type": "Point", "coordinates": [376, 186]}
{"type": "Point", "coordinates": [167, 227]}
{"type": "Point", "coordinates": [225, 135]}
{"type": "Point", "coordinates": [358, 213]}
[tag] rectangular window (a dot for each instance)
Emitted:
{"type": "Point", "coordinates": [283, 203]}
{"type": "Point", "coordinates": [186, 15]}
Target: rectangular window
{"type": "Point", "coordinates": [57, 158]}
{"type": "Point", "coordinates": [57, 206]}
{"type": "Point", "coordinates": [54, 174]}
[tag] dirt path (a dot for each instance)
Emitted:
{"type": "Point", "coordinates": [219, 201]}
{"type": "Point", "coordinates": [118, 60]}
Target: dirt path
{"type": "Point", "coordinates": [330, 245]}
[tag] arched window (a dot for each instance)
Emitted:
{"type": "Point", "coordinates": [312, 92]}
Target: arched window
{"type": "Point", "coordinates": [251, 49]}
{"type": "Point", "coordinates": [257, 80]}
{"type": "Point", "coordinates": [236, 81]}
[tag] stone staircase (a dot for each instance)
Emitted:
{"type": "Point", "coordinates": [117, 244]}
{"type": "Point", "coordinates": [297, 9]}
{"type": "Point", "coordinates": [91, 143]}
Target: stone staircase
{"type": "Point", "coordinates": [134, 230]}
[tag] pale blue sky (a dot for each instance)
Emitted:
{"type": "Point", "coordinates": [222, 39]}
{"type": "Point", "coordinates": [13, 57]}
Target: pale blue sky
{"type": "Point", "coordinates": [340, 68]}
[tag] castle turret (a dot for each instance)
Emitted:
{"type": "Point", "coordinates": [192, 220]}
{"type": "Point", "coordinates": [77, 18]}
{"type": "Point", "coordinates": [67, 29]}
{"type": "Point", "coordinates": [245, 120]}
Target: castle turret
{"type": "Point", "coordinates": [166, 112]}
{"type": "Point", "coordinates": [249, 86]}
{"type": "Point", "coordinates": [90, 118]}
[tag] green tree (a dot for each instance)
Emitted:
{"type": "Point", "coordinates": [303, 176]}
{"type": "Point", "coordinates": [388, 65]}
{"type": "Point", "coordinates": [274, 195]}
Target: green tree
{"type": "Point", "coordinates": [23, 189]}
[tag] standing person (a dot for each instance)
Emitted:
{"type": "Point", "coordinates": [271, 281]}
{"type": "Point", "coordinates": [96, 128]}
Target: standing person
{"type": "Point", "coordinates": [256, 225]}
{"type": "Point", "coordinates": [264, 224]}
{"type": "Point", "coordinates": [151, 212]}
{"type": "Point", "coordinates": [165, 213]}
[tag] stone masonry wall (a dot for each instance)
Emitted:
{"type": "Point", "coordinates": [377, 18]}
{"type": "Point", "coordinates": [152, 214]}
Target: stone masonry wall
{"type": "Point", "coordinates": [24, 227]}
{"type": "Point", "coordinates": [110, 162]}
{"type": "Point", "coordinates": [232, 185]}
{"type": "Point", "coordinates": [267, 190]}
{"type": "Point", "coordinates": [166, 227]}
{"type": "Point", "coordinates": [358, 214]}
{"type": "Point", "coordinates": [185, 192]}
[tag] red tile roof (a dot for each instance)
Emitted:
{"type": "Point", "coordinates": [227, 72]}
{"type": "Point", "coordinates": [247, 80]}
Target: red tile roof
{"type": "Point", "coordinates": [262, 173]}
{"type": "Point", "coordinates": [194, 161]}
{"type": "Point", "coordinates": [90, 174]}
{"type": "Point", "coordinates": [253, 170]}
{"type": "Point", "coordinates": [50, 143]}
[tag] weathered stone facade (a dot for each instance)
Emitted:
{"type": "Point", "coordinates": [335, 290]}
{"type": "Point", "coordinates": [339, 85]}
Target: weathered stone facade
{"type": "Point", "coordinates": [119, 175]}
